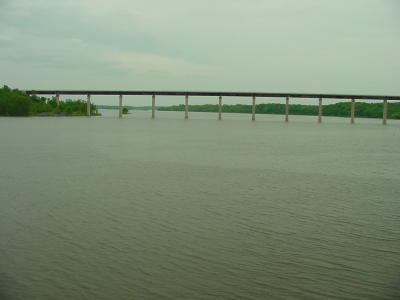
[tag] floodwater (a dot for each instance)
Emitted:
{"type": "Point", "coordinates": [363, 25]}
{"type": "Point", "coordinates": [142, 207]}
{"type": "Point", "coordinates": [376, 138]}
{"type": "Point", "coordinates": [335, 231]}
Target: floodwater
{"type": "Point", "coordinates": [102, 208]}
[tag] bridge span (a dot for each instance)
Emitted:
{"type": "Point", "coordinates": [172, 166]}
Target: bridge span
{"type": "Point", "coordinates": [252, 95]}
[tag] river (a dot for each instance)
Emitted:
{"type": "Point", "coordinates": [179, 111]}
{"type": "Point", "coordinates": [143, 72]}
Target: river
{"type": "Point", "coordinates": [102, 208]}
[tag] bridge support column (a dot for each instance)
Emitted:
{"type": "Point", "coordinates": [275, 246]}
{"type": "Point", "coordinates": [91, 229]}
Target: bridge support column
{"type": "Point", "coordinates": [287, 110]}
{"type": "Point", "coordinates": [153, 106]}
{"type": "Point", "coordinates": [58, 99]}
{"type": "Point", "coordinates": [220, 108]}
{"type": "Point", "coordinates": [385, 110]}
{"type": "Point", "coordinates": [186, 107]}
{"type": "Point", "coordinates": [319, 110]}
{"type": "Point", "coordinates": [353, 109]}
{"type": "Point", "coordinates": [88, 105]}
{"type": "Point", "coordinates": [120, 107]}
{"type": "Point", "coordinates": [253, 109]}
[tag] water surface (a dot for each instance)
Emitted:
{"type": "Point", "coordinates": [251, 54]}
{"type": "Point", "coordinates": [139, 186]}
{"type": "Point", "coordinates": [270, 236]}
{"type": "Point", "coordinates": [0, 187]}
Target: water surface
{"type": "Point", "coordinates": [103, 208]}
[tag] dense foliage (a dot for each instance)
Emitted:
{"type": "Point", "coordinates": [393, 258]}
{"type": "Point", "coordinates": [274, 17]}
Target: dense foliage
{"type": "Point", "coordinates": [16, 103]}
{"type": "Point", "coordinates": [341, 109]}
{"type": "Point", "coordinates": [129, 107]}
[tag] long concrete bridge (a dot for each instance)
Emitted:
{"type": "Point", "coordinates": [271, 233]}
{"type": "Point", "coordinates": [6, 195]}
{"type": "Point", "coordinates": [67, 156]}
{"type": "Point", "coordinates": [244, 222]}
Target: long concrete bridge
{"type": "Point", "coordinates": [252, 95]}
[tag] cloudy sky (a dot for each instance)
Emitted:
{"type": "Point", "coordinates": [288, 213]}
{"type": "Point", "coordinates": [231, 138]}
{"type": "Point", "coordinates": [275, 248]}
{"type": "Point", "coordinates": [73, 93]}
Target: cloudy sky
{"type": "Point", "coordinates": [323, 46]}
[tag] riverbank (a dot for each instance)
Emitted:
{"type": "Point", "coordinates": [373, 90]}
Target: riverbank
{"type": "Point", "coordinates": [340, 109]}
{"type": "Point", "coordinates": [14, 102]}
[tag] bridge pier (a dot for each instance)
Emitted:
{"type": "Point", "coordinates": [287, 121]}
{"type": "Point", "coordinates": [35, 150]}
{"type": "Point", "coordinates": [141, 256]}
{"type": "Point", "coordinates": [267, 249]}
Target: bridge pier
{"type": "Point", "coordinates": [120, 107]}
{"type": "Point", "coordinates": [88, 105]}
{"type": "Point", "coordinates": [353, 109]}
{"type": "Point", "coordinates": [186, 107]}
{"type": "Point", "coordinates": [287, 110]}
{"type": "Point", "coordinates": [385, 110]}
{"type": "Point", "coordinates": [319, 110]}
{"type": "Point", "coordinates": [253, 109]}
{"type": "Point", "coordinates": [220, 108]}
{"type": "Point", "coordinates": [153, 106]}
{"type": "Point", "coordinates": [56, 94]}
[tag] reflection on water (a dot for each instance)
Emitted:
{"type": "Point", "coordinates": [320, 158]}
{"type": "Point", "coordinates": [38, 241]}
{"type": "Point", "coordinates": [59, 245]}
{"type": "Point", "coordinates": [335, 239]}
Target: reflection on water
{"type": "Point", "coordinates": [103, 208]}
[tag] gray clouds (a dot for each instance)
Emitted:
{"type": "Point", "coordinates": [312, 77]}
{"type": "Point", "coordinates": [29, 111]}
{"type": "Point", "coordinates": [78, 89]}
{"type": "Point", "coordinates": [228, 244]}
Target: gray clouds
{"type": "Point", "coordinates": [287, 45]}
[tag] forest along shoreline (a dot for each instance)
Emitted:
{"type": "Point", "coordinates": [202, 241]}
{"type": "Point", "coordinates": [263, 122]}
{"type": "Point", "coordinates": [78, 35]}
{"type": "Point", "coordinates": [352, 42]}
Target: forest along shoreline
{"type": "Point", "coordinates": [14, 102]}
{"type": "Point", "coordinates": [340, 109]}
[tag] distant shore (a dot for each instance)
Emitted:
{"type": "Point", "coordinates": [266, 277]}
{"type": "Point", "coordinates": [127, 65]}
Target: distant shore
{"type": "Point", "coordinates": [340, 109]}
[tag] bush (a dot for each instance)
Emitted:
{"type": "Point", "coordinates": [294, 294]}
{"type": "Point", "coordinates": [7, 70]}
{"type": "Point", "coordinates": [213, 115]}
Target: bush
{"type": "Point", "coordinates": [14, 102]}
{"type": "Point", "coordinates": [395, 115]}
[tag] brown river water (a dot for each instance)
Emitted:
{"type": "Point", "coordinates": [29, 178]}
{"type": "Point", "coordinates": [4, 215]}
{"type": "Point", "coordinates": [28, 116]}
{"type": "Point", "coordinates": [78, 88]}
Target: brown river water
{"type": "Point", "coordinates": [102, 208]}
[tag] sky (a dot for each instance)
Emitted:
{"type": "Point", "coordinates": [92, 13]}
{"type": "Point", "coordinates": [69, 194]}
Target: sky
{"type": "Point", "coordinates": [324, 46]}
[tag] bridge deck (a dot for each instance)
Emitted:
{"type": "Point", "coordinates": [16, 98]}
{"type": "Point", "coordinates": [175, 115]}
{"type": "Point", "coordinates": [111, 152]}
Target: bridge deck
{"type": "Point", "coordinates": [201, 93]}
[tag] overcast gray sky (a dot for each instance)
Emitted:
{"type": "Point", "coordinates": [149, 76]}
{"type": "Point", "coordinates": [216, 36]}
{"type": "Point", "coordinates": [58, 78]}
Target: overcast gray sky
{"type": "Point", "coordinates": [340, 46]}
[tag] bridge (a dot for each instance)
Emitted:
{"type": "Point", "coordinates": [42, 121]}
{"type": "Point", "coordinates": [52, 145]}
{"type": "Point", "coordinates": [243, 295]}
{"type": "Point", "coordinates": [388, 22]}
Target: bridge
{"type": "Point", "coordinates": [252, 95]}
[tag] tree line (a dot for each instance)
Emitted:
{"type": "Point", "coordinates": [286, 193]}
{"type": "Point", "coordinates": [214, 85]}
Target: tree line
{"type": "Point", "coordinates": [14, 102]}
{"type": "Point", "coordinates": [340, 109]}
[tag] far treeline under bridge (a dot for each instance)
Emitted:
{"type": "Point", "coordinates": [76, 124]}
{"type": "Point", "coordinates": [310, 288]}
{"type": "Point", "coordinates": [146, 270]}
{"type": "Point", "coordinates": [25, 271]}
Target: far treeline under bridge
{"type": "Point", "coordinates": [220, 95]}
